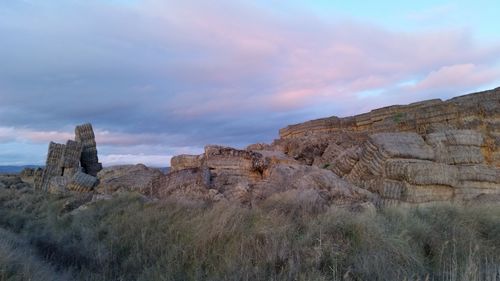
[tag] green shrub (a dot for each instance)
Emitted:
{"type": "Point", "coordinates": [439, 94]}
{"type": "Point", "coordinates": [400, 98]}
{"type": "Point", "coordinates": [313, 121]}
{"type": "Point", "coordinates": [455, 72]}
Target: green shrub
{"type": "Point", "coordinates": [287, 237]}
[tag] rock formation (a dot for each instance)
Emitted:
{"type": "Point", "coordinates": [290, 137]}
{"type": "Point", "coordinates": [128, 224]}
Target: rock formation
{"type": "Point", "coordinates": [127, 178]}
{"type": "Point", "coordinates": [30, 175]}
{"type": "Point", "coordinates": [84, 134]}
{"type": "Point", "coordinates": [398, 155]}
{"type": "Point", "coordinates": [71, 166]}
{"type": "Point", "coordinates": [404, 154]}
{"type": "Point", "coordinates": [423, 152]}
{"type": "Point", "coordinates": [249, 176]}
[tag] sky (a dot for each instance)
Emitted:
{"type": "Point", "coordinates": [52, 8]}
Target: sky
{"type": "Point", "coordinates": [158, 78]}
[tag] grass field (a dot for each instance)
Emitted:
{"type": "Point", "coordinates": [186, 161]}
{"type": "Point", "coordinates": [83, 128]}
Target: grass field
{"type": "Point", "coordinates": [130, 238]}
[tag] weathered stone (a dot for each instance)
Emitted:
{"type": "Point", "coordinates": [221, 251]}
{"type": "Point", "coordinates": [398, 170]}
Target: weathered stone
{"type": "Point", "coordinates": [69, 172]}
{"type": "Point", "coordinates": [63, 170]}
{"type": "Point", "coordinates": [71, 155]}
{"type": "Point", "coordinates": [127, 178]}
{"type": "Point", "coordinates": [93, 169]}
{"type": "Point", "coordinates": [37, 177]}
{"type": "Point", "coordinates": [260, 147]}
{"type": "Point", "coordinates": [480, 173]}
{"type": "Point", "coordinates": [76, 201]}
{"type": "Point", "coordinates": [421, 172]}
{"type": "Point", "coordinates": [405, 154]}
{"type": "Point", "coordinates": [281, 178]}
{"type": "Point", "coordinates": [189, 183]}
{"type": "Point", "coordinates": [403, 145]}
{"type": "Point", "coordinates": [82, 182]}
{"type": "Point", "coordinates": [184, 161]}
{"type": "Point", "coordinates": [28, 175]}
{"type": "Point", "coordinates": [229, 166]}
{"type": "Point", "coordinates": [428, 151]}
{"type": "Point", "coordinates": [57, 185]}
{"type": "Point", "coordinates": [477, 113]}
{"type": "Point", "coordinates": [455, 137]}
{"type": "Point", "coordinates": [89, 160]}
{"type": "Point", "coordinates": [52, 165]}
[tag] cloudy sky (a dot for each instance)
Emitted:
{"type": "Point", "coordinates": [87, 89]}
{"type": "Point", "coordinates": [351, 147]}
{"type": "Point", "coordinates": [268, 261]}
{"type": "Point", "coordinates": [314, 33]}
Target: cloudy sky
{"type": "Point", "coordinates": [158, 78]}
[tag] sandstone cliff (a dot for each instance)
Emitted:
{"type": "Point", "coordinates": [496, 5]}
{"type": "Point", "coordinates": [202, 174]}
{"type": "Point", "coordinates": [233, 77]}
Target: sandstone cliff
{"type": "Point", "coordinates": [404, 154]}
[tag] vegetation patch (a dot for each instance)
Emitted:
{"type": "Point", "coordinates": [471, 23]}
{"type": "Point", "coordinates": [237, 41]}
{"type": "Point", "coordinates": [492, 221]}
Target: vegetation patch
{"type": "Point", "coordinates": [398, 117]}
{"type": "Point", "coordinates": [131, 238]}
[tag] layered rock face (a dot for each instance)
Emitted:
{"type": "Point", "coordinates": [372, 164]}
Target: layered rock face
{"type": "Point", "coordinates": [249, 176]}
{"type": "Point", "coordinates": [84, 135]}
{"type": "Point", "coordinates": [127, 178]}
{"type": "Point", "coordinates": [479, 112]}
{"type": "Point", "coordinates": [423, 152]}
{"type": "Point", "coordinates": [71, 166]}
{"type": "Point", "coordinates": [405, 154]}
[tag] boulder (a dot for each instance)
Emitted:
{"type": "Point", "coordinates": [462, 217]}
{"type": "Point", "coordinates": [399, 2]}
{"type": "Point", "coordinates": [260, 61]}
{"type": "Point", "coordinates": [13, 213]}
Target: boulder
{"type": "Point", "coordinates": [52, 165]}
{"type": "Point", "coordinates": [185, 161]}
{"type": "Point", "coordinates": [191, 183]}
{"type": "Point", "coordinates": [127, 178]}
{"type": "Point", "coordinates": [82, 182]}
{"type": "Point", "coordinates": [281, 178]}
{"type": "Point", "coordinates": [84, 134]}
{"type": "Point", "coordinates": [58, 184]}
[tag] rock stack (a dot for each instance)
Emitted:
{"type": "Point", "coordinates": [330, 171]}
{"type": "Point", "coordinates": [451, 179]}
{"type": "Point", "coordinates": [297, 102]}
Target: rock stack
{"type": "Point", "coordinates": [90, 163]}
{"type": "Point", "coordinates": [71, 166]}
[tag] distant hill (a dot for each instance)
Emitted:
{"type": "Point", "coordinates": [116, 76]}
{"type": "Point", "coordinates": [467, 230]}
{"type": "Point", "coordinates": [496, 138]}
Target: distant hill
{"type": "Point", "coordinates": [15, 169]}
{"type": "Point", "coordinates": [18, 169]}
{"type": "Point", "coordinates": [164, 170]}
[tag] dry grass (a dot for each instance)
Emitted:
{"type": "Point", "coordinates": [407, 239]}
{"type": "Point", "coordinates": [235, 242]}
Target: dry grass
{"type": "Point", "coordinates": [128, 238]}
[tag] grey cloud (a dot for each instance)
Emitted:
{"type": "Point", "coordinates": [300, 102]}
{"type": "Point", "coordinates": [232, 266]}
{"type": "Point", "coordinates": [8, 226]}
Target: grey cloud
{"type": "Point", "coordinates": [179, 74]}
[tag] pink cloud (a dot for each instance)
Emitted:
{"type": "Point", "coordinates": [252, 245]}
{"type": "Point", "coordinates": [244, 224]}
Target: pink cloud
{"type": "Point", "coordinates": [292, 98]}
{"type": "Point", "coordinates": [149, 160]}
{"type": "Point", "coordinates": [297, 63]}
{"type": "Point", "coordinates": [459, 75]}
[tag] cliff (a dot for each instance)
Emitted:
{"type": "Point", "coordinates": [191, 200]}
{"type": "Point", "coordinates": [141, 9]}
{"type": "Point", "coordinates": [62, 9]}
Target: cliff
{"type": "Point", "coordinates": [403, 154]}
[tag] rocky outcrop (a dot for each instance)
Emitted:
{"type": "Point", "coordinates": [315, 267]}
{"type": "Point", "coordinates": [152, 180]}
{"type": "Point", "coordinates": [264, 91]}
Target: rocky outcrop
{"type": "Point", "coordinates": [398, 155]}
{"type": "Point", "coordinates": [184, 161]}
{"type": "Point", "coordinates": [423, 152]}
{"type": "Point", "coordinates": [71, 166]}
{"type": "Point", "coordinates": [31, 175]}
{"type": "Point", "coordinates": [404, 154]}
{"type": "Point", "coordinates": [250, 176]}
{"type": "Point", "coordinates": [479, 112]}
{"type": "Point", "coordinates": [410, 168]}
{"type": "Point", "coordinates": [84, 134]}
{"type": "Point", "coordinates": [127, 178]}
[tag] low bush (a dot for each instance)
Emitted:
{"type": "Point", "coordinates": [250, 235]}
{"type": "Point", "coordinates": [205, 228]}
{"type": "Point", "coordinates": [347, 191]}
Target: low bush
{"type": "Point", "coordinates": [131, 238]}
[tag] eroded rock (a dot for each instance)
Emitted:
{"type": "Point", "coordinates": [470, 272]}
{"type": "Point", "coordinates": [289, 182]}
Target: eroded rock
{"type": "Point", "coordinates": [127, 178]}
{"type": "Point", "coordinates": [71, 166]}
{"type": "Point", "coordinates": [404, 154]}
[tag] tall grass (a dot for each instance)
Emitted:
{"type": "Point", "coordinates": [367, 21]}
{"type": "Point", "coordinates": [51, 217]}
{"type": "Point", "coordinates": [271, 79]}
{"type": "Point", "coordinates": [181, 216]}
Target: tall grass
{"type": "Point", "coordinates": [130, 238]}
